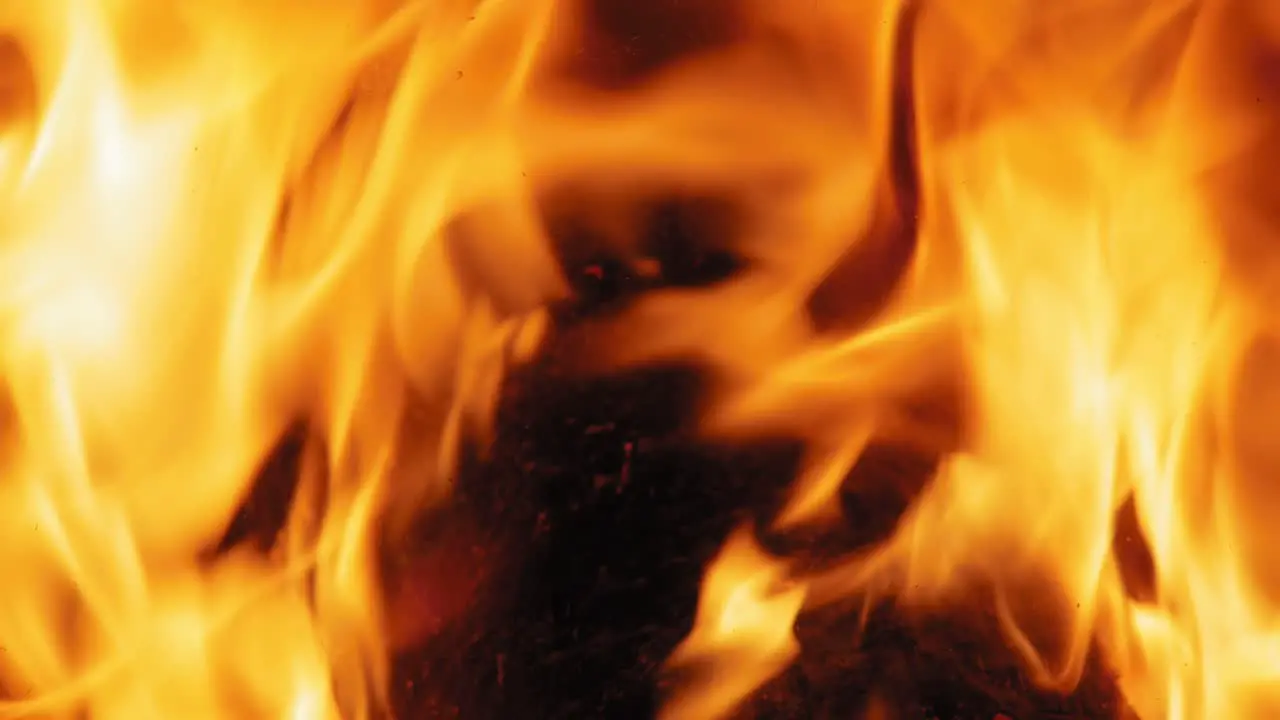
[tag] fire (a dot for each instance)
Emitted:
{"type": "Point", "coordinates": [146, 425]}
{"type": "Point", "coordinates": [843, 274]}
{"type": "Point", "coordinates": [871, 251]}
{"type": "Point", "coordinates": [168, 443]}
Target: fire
{"type": "Point", "coordinates": [215, 230]}
{"type": "Point", "coordinates": [226, 224]}
{"type": "Point", "coordinates": [1072, 273]}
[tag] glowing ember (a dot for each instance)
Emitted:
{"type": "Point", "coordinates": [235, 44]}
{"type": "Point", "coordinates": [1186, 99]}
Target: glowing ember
{"type": "Point", "coordinates": [224, 220]}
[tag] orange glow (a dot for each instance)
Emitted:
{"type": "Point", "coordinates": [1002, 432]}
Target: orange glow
{"type": "Point", "coordinates": [166, 314]}
{"type": "Point", "coordinates": [742, 632]}
{"type": "Point", "coordinates": [1073, 272]}
{"type": "Point", "coordinates": [223, 220]}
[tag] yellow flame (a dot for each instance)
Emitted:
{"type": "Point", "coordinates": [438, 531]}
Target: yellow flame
{"type": "Point", "coordinates": [1073, 273]}
{"type": "Point", "coordinates": [164, 322]}
{"type": "Point", "coordinates": [224, 219]}
{"type": "Point", "coordinates": [742, 631]}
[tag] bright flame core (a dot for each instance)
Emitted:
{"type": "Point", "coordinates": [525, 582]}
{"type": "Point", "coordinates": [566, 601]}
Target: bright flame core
{"type": "Point", "coordinates": [222, 220]}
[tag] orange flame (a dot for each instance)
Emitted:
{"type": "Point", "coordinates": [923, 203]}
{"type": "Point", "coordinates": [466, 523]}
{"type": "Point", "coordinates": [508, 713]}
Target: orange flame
{"type": "Point", "coordinates": [223, 219]}
{"type": "Point", "coordinates": [1071, 272]}
{"type": "Point", "coordinates": [165, 321]}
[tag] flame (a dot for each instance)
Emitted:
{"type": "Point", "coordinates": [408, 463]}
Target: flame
{"type": "Point", "coordinates": [1070, 270]}
{"type": "Point", "coordinates": [214, 231]}
{"type": "Point", "coordinates": [223, 221]}
{"type": "Point", "coordinates": [735, 633]}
